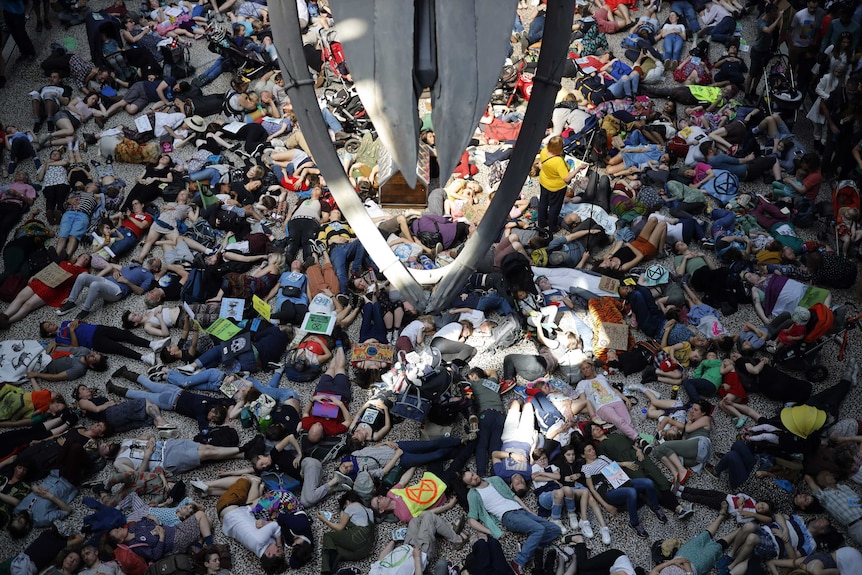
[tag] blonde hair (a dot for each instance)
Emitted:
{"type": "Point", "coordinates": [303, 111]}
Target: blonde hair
{"type": "Point", "coordinates": [555, 145]}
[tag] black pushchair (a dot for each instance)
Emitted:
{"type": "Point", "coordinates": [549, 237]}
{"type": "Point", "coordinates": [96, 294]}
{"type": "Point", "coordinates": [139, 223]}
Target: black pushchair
{"type": "Point", "coordinates": [246, 63]}
{"type": "Point", "coordinates": [122, 61]}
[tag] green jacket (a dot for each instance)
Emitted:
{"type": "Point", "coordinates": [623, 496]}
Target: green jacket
{"type": "Point", "coordinates": [477, 506]}
{"type": "Point", "coordinates": [620, 448]}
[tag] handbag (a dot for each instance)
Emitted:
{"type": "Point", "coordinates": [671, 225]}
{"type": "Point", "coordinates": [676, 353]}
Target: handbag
{"type": "Point", "coordinates": [411, 405]}
{"type": "Point", "coordinates": [326, 408]}
{"type": "Point", "coordinates": [262, 406]}
{"type": "Point", "coordinates": [172, 565]}
{"type": "Point", "coordinates": [12, 286]}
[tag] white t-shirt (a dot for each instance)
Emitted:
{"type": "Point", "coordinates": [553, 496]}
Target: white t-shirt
{"type": "Point", "coordinates": [450, 331]}
{"type": "Point", "coordinates": [412, 330]}
{"type": "Point", "coordinates": [475, 317]}
{"type": "Point", "coordinates": [673, 28]}
{"type": "Point", "coordinates": [399, 561]}
{"type": "Point", "coordinates": [597, 391]}
{"type": "Point", "coordinates": [849, 561]}
{"type": "Point", "coordinates": [624, 564]}
{"type": "Point", "coordinates": [539, 469]}
{"type": "Point", "coordinates": [496, 504]}
{"type": "Point", "coordinates": [240, 524]}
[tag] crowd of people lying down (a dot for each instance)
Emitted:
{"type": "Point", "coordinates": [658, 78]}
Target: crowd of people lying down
{"type": "Point", "coordinates": [593, 364]}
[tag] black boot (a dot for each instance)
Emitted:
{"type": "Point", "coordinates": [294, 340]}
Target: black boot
{"type": "Point", "coordinates": [115, 389]}
{"type": "Point", "coordinates": [126, 373]}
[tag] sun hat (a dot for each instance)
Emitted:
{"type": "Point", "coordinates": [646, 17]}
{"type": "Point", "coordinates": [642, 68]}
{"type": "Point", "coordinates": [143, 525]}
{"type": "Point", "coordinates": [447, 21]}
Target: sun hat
{"type": "Point", "coordinates": [800, 316]}
{"type": "Point", "coordinates": [195, 123]}
{"type": "Point", "coordinates": [802, 420]}
{"type": "Point", "coordinates": [655, 275]}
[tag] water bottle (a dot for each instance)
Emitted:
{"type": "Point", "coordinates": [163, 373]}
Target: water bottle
{"type": "Point", "coordinates": [263, 423]}
{"type": "Point", "coordinates": [427, 263]}
{"type": "Point", "coordinates": [674, 392]}
{"type": "Point", "coordinates": [643, 414]}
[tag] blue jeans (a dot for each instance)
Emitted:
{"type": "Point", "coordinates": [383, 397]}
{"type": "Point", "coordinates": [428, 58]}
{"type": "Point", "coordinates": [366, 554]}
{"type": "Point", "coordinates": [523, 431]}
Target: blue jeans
{"type": "Point", "coordinates": [279, 394]}
{"type": "Point", "coordinates": [540, 532]}
{"type": "Point", "coordinates": [331, 121]}
{"type": "Point", "coordinates": [723, 31]}
{"type": "Point", "coordinates": [126, 244]}
{"type": "Point", "coordinates": [340, 254]}
{"type": "Point", "coordinates": [518, 26]}
{"type": "Point", "coordinates": [206, 379]}
{"type": "Point", "coordinates": [211, 174]}
{"type": "Point", "coordinates": [695, 388]}
{"type": "Point", "coordinates": [494, 301]}
{"type": "Point", "coordinates": [214, 71]}
{"type": "Point", "coordinates": [245, 361]}
{"type": "Point", "coordinates": [626, 86]}
{"type": "Point", "coordinates": [372, 323]}
{"type": "Point", "coordinates": [162, 394]}
{"type": "Point", "coordinates": [418, 453]}
{"type": "Point", "coordinates": [739, 462]}
{"type": "Point", "coordinates": [673, 46]}
{"type": "Point", "coordinates": [537, 28]}
{"type": "Point", "coordinates": [628, 496]}
{"type": "Point", "coordinates": [689, 15]}
{"type": "Point", "coordinates": [723, 220]}
{"type": "Point", "coordinates": [490, 438]}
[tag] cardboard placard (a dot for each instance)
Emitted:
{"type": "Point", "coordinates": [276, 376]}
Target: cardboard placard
{"type": "Point", "coordinates": [372, 352]}
{"type": "Point", "coordinates": [609, 284]}
{"type": "Point", "coordinates": [232, 308]}
{"type": "Point", "coordinates": [318, 323]}
{"type": "Point", "coordinates": [52, 275]}
{"type": "Point", "coordinates": [614, 336]}
{"type": "Point", "coordinates": [223, 329]}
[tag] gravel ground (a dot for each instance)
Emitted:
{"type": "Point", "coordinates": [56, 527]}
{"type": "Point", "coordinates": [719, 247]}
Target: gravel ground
{"type": "Point", "coordinates": [15, 109]}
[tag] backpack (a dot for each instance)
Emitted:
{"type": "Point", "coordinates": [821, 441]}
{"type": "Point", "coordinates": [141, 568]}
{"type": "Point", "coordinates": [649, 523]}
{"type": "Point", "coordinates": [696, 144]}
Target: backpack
{"type": "Point", "coordinates": [202, 232]}
{"type": "Point", "coordinates": [12, 286]}
{"type": "Point", "coordinates": [275, 481]}
{"type": "Point", "coordinates": [176, 59]}
{"type": "Point", "coordinates": [222, 436]}
{"type": "Point", "coordinates": [130, 562]}
{"type": "Point", "coordinates": [803, 216]}
{"type": "Point", "coordinates": [178, 564]}
{"type": "Point", "coordinates": [430, 239]}
{"type": "Point", "coordinates": [194, 290]}
{"type": "Point", "coordinates": [507, 333]}
{"type": "Point", "coordinates": [591, 88]}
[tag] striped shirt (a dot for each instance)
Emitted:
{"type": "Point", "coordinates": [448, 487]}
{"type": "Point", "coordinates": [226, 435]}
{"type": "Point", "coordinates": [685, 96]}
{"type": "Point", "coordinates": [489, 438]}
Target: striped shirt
{"type": "Point", "coordinates": [87, 202]}
{"type": "Point", "coordinates": [334, 229]}
{"type": "Point", "coordinates": [842, 503]}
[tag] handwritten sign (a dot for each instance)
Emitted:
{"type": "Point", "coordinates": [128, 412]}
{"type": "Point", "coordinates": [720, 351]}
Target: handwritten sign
{"type": "Point", "coordinates": [261, 307]}
{"type": "Point", "coordinates": [223, 329]}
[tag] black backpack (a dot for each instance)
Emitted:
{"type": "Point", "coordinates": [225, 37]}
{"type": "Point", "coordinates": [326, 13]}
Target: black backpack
{"type": "Point", "coordinates": [804, 215]}
{"type": "Point", "coordinates": [507, 333]}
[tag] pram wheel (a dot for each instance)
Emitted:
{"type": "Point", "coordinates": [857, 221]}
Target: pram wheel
{"type": "Point", "coordinates": [817, 373]}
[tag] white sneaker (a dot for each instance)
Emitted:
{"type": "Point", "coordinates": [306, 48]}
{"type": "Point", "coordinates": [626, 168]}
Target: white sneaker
{"type": "Point", "coordinates": [200, 486]}
{"type": "Point", "coordinates": [149, 358]}
{"type": "Point", "coordinates": [188, 369]}
{"type": "Point", "coordinates": [587, 529]}
{"type": "Point", "coordinates": [573, 522]}
{"type": "Point", "coordinates": [158, 344]}
{"type": "Point", "coordinates": [606, 535]}
{"type": "Point", "coordinates": [559, 523]}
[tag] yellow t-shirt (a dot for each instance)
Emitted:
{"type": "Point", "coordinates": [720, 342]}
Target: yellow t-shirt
{"type": "Point", "coordinates": [683, 355]}
{"type": "Point", "coordinates": [553, 171]}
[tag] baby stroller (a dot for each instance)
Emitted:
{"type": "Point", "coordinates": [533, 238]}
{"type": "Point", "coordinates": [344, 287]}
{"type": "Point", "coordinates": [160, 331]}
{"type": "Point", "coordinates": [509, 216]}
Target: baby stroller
{"type": "Point", "coordinates": [779, 89]}
{"type": "Point", "coordinates": [176, 58]}
{"type": "Point", "coordinates": [246, 63]}
{"type": "Point", "coordinates": [824, 326]}
{"type": "Point", "coordinates": [845, 195]}
{"type": "Point", "coordinates": [122, 61]}
{"type": "Point", "coordinates": [332, 53]}
{"type": "Point", "coordinates": [345, 105]}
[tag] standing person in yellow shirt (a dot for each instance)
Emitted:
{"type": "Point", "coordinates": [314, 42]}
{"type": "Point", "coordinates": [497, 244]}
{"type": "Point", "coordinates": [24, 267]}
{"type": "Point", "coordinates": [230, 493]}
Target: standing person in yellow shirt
{"type": "Point", "coordinates": [554, 178]}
